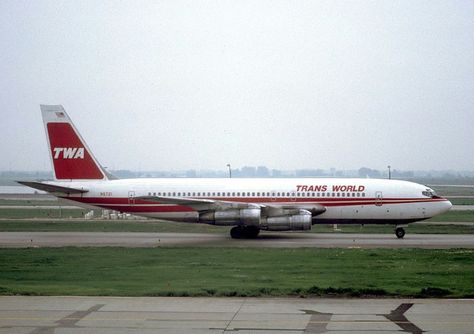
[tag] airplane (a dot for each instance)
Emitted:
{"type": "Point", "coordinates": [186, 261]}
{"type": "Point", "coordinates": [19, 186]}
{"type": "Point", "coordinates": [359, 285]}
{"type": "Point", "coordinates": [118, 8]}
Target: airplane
{"type": "Point", "coordinates": [248, 205]}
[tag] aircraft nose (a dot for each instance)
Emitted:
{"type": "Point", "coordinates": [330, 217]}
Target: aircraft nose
{"type": "Point", "coordinates": [444, 206]}
{"type": "Point", "coordinates": [448, 205]}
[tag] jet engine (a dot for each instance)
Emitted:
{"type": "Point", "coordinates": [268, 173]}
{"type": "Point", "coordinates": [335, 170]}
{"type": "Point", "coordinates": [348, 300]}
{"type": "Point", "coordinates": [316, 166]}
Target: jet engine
{"type": "Point", "coordinates": [246, 217]}
{"type": "Point", "coordinates": [295, 222]}
{"type": "Point", "coordinates": [275, 220]}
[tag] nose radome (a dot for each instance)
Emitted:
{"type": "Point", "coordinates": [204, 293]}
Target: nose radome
{"type": "Point", "coordinates": [449, 205]}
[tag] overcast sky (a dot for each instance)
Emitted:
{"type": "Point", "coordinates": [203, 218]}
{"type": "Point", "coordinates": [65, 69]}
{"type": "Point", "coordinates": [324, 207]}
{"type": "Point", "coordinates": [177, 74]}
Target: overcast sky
{"type": "Point", "coordinates": [155, 85]}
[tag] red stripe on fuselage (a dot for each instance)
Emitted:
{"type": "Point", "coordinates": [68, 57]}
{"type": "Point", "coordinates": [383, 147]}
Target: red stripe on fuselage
{"type": "Point", "coordinates": [124, 204]}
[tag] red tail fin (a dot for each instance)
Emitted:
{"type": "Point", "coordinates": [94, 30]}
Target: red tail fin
{"type": "Point", "coordinates": [71, 158]}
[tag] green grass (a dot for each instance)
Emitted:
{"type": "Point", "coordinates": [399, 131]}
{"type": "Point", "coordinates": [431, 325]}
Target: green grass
{"type": "Point", "coordinates": [237, 272]}
{"type": "Point", "coordinates": [108, 226]}
{"type": "Point", "coordinates": [53, 212]}
{"type": "Point", "coordinates": [454, 191]}
{"type": "Point", "coordinates": [411, 229]}
{"type": "Point", "coordinates": [29, 202]}
{"type": "Point", "coordinates": [462, 201]}
{"type": "Point", "coordinates": [455, 216]}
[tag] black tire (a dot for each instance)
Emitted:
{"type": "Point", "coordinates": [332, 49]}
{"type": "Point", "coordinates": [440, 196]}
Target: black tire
{"type": "Point", "coordinates": [400, 232]}
{"type": "Point", "coordinates": [251, 232]}
{"type": "Point", "coordinates": [236, 232]}
{"type": "Point", "coordinates": [246, 232]}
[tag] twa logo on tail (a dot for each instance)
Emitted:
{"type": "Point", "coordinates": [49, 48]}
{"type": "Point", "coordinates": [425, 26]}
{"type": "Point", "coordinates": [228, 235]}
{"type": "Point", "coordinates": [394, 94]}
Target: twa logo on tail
{"type": "Point", "coordinates": [68, 153]}
{"type": "Point", "coordinates": [72, 159]}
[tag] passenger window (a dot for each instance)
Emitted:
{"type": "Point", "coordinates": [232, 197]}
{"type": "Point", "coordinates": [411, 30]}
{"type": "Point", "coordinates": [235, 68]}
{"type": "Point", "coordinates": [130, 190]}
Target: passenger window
{"type": "Point", "coordinates": [343, 194]}
{"type": "Point", "coordinates": [363, 194]}
{"type": "Point", "coordinates": [337, 195]}
{"type": "Point", "coordinates": [323, 194]}
{"type": "Point", "coordinates": [358, 194]}
{"type": "Point", "coordinates": [194, 194]}
{"type": "Point", "coordinates": [233, 194]}
{"type": "Point", "coordinates": [238, 194]}
{"type": "Point", "coordinates": [314, 194]}
{"type": "Point", "coordinates": [253, 194]}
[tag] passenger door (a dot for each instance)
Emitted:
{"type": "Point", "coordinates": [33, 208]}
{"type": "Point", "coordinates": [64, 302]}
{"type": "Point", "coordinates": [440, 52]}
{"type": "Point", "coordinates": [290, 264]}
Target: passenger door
{"type": "Point", "coordinates": [378, 198]}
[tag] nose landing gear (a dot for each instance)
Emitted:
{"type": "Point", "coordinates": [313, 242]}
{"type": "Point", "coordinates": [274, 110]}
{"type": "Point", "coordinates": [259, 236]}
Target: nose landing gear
{"type": "Point", "coordinates": [400, 232]}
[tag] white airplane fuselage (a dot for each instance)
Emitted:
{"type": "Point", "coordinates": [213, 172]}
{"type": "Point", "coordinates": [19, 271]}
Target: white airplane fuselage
{"type": "Point", "coordinates": [359, 201]}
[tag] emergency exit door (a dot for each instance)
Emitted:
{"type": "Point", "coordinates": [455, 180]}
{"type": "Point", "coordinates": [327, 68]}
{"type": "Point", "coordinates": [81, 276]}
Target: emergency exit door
{"type": "Point", "coordinates": [131, 198]}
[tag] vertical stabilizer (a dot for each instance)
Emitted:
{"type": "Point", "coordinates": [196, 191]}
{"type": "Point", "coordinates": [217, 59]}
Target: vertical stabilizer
{"type": "Point", "coordinates": [71, 157]}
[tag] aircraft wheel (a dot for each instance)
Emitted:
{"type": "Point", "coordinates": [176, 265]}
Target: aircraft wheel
{"type": "Point", "coordinates": [251, 232]}
{"type": "Point", "coordinates": [400, 232]}
{"type": "Point", "coordinates": [236, 232]}
{"type": "Point", "coordinates": [248, 232]}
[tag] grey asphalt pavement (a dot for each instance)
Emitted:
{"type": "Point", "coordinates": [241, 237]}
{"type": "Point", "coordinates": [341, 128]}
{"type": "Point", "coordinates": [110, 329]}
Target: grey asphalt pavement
{"type": "Point", "coordinates": [270, 239]}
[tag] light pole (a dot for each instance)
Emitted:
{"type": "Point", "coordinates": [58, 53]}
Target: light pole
{"type": "Point", "coordinates": [230, 171]}
{"type": "Point", "coordinates": [389, 172]}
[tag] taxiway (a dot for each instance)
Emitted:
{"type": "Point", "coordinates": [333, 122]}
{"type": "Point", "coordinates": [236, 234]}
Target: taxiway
{"type": "Point", "coordinates": [78, 315]}
{"type": "Point", "coordinates": [287, 239]}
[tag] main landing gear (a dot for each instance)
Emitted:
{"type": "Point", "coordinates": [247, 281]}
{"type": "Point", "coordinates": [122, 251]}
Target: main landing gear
{"type": "Point", "coordinates": [244, 232]}
{"type": "Point", "coordinates": [400, 232]}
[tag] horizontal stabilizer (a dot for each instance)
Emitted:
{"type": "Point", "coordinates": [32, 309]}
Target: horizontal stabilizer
{"type": "Point", "coordinates": [51, 188]}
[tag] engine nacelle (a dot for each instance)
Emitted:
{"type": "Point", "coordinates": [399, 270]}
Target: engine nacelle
{"type": "Point", "coordinates": [297, 222]}
{"type": "Point", "coordinates": [247, 217]}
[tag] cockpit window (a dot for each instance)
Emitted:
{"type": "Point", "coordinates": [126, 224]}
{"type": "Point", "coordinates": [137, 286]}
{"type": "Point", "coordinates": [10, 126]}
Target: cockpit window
{"type": "Point", "coordinates": [429, 193]}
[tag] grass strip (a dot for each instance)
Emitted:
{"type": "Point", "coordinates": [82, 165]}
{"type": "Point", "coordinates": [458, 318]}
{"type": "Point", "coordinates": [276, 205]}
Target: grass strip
{"type": "Point", "coordinates": [454, 216]}
{"type": "Point", "coordinates": [53, 212]}
{"type": "Point", "coordinates": [237, 272]}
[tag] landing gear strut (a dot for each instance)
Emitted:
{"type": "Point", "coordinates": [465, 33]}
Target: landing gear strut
{"type": "Point", "coordinates": [400, 232]}
{"type": "Point", "coordinates": [244, 232]}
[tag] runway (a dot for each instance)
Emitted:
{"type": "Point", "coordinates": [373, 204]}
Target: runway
{"type": "Point", "coordinates": [80, 315]}
{"type": "Point", "coordinates": [280, 240]}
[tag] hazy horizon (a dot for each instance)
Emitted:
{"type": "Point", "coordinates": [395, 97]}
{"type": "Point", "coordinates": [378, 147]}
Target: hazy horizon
{"type": "Point", "coordinates": [180, 85]}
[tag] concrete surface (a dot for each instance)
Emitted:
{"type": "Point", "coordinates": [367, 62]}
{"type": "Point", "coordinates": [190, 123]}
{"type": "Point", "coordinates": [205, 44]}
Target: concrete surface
{"type": "Point", "coordinates": [269, 239]}
{"type": "Point", "coordinates": [77, 315]}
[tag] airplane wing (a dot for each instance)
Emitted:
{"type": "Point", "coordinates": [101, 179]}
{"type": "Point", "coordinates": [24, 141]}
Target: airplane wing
{"type": "Point", "coordinates": [210, 204]}
{"type": "Point", "coordinates": [52, 188]}
{"type": "Point", "coordinates": [200, 204]}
